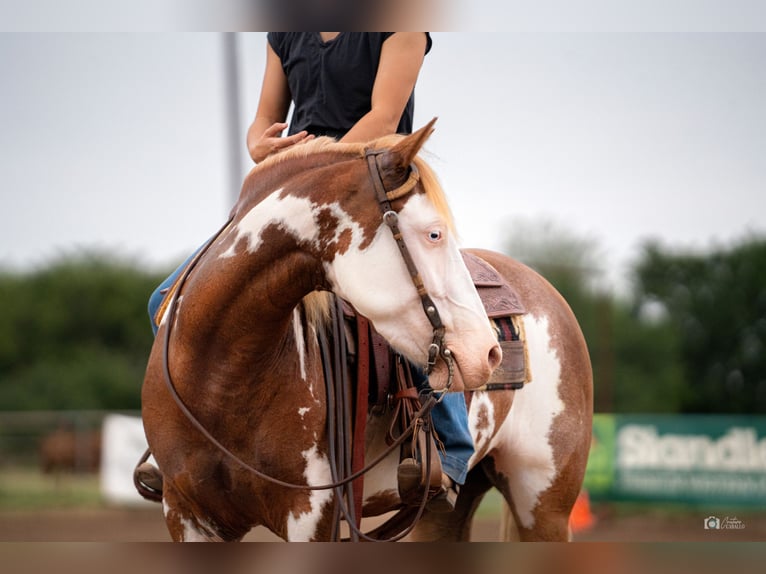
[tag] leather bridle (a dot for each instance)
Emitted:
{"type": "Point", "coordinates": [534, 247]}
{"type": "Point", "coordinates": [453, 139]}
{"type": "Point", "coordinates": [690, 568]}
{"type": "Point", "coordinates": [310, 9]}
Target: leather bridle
{"type": "Point", "coordinates": [391, 218]}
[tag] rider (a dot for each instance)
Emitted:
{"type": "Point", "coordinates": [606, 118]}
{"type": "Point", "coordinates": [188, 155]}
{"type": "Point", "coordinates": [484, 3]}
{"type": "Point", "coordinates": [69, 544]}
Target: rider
{"type": "Point", "coordinates": [354, 86]}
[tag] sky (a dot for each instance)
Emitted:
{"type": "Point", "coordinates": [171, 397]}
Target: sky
{"type": "Point", "coordinates": [119, 141]}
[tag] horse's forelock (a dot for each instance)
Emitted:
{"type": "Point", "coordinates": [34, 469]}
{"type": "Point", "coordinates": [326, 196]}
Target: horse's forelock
{"type": "Point", "coordinates": [428, 179]}
{"type": "Point", "coordinates": [435, 192]}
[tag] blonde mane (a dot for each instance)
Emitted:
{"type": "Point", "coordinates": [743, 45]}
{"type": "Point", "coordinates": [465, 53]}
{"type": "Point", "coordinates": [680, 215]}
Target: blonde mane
{"type": "Point", "coordinates": [318, 308]}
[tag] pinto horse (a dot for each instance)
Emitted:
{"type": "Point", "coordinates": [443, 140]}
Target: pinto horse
{"type": "Point", "coordinates": [239, 344]}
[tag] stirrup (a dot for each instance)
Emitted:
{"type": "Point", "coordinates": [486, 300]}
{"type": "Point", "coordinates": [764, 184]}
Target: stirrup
{"type": "Point", "coordinates": [149, 475]}
{"type": "Point", "coordinates": [445, 499]}
{"type": "Point", "coordinates": [441, 498]}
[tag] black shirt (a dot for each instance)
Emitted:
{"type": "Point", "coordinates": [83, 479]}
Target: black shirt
{"type": "Point", "coordinates": [331, 82]}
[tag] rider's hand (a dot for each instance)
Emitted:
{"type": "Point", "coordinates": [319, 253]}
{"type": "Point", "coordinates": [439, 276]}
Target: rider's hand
{"type": "Point", "coordinates": [270, 141]}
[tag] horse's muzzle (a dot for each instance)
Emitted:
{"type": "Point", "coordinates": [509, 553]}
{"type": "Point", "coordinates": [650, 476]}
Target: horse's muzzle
{"type": "Point", "coordinates": [468, 371]}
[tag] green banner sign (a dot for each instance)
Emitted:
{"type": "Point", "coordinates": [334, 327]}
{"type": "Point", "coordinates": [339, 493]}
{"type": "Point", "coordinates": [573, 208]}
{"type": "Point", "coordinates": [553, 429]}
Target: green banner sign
{"type": "Point", "coordinates": [686, 458]}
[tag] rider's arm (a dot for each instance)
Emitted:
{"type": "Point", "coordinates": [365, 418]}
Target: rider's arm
{"type": "Point", "coordinates": [263, 137]}
{"type": "Point", "coordinates": [400, 61]}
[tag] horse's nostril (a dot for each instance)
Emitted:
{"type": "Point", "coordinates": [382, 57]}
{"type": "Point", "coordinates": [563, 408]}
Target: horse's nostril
{"type": "Point", "coordinates": [495, 357]}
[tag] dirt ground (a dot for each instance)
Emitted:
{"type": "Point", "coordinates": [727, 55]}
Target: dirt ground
{"type": "Point", "coordinates": [147, 525]}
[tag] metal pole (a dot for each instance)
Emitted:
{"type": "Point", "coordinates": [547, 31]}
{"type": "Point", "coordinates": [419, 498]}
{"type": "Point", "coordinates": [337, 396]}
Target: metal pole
{"type": "Point", "coordinates": [233, 131]}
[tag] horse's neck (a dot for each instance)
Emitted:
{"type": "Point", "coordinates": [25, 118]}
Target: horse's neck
{"type": "Point", "coordinates": [255, 304]}
{"type": "Point", "coordinates": [240, 301]}
{"type": "Point", "coordinates": [234, 350]}
{"type": "Point", "coordinates": [273, 278]}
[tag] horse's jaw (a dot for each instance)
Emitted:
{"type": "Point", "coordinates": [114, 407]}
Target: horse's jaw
{"type": "Point", "coordinates": [464, 369]}
{"type": "Point", "coordinates": [473, 354]}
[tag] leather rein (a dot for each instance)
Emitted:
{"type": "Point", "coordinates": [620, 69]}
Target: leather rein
{"type": "Point", "coordinates": [437, 348]}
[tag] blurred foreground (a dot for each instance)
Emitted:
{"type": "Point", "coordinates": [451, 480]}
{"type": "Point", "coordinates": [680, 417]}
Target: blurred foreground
{"type": "Point", "coordinates": [147, 525]}
{"type": "Point", "coordinates": [68, 508]}
{"type": "Point", "coordinates": [48, 509]}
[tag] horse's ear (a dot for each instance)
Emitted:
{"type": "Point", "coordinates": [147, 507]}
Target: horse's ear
{"type": "Point", "coordinates": [406, 150]}
{"type": "Point", "coordinates": [394, 163]}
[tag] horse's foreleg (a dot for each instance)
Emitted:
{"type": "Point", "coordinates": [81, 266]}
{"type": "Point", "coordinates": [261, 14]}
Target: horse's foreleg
{"type": "Point", "coordinates": [549, 526]}
{"type": "Point", "coordinates": [533, 513]}
{"type": "Point", "coordinates": [454, 526]}
{"type": "Point", "coordinates": [184, 524]}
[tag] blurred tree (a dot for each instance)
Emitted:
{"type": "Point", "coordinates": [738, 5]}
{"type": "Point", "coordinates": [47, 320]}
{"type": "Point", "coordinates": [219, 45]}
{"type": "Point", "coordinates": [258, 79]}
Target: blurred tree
{"type": "Point", "coordinates": [648, 370]}
{"type": "Point", "coordinates": [75, 334]}
{"type": "Point", "coordinates": [635, 360]}
{"type": "Point", "coordinates": [717, 304]}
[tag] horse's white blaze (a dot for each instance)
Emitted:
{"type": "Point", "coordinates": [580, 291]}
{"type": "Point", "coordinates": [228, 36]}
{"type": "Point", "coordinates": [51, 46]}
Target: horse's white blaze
{"type": "Point", "coordinates": [300, 342]}
{"type": "Point", "coordinates": [396, 311]}
{"type": "Point", "coordinates": [527, 459]}
{"type": "Point", "coordinates": [441, 266]}
{"type": "Point", "coordinates": [303, 527]}
{"type": "Point", "coordinates": [376, 282]}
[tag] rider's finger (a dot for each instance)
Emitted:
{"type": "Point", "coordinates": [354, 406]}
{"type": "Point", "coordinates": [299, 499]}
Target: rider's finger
{"type": "Point", "coordinates": [308, 138]}
{"type": "Point", "coordinates": [295, 138]}
{"type": "Point", "coordinates": [274, 129]}
{"type": "Point", "coordinates": [291, 140]}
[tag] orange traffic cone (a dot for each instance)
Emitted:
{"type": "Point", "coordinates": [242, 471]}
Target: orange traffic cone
{"type": "Point", "coordinates": [581, 517]}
